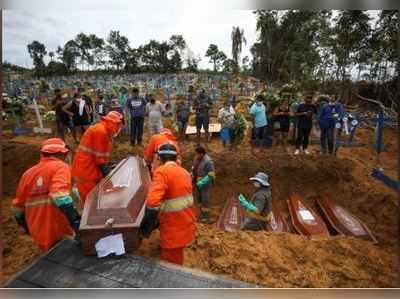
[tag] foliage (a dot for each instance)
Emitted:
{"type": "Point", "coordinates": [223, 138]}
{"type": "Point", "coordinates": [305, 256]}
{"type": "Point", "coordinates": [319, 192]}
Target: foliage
{"type": "Point", "coordinates": [238, 39]}
{"type": "Point", "coordinates": [239, 128]}
{"type": "Point", "coordinates": [216, 56]}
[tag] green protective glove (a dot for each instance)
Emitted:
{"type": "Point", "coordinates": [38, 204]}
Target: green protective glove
{"type": "Point", "coordinates": [75, 194]}
{"type": "Point", "coordinates": [203, 181]}
{"type": "Point", "coordinates": [247, 205]}
{"type": "Point", "coordinates": [22, 222]}
{"type": "Point", "coordinates": [149, 222]}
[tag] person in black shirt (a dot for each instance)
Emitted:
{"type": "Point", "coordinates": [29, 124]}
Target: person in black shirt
{"type": "Point", "coordinates": [79, 110]}
{"type": "Point", "coordinates": [304, 114]}
{"type": "Point", "coordinates": [62, 119]}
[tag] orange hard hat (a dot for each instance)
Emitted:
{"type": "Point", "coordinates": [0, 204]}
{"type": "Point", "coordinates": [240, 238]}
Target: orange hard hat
{"type": "Point", "coordinates": [54, 146]}
{"type": "Point", "coordinates": [113, 116]}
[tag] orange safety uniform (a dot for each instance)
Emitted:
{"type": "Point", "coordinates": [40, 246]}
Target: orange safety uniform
{"type": "Point", "coordinates": [38, 187]}
{"type": "Point", "coordinates": [155, 142]}
{"type": "Point", "coordinates": [171, 194]}
{"type": "Point", "coordinates": [94, 149]}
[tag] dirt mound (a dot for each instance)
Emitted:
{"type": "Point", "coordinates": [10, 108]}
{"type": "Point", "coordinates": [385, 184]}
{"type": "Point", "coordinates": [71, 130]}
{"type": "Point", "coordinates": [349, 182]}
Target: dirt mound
{"type": "Point", "coordinates": [290, 260]}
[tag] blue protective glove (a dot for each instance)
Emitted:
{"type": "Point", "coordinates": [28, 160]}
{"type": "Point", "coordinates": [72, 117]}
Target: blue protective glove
{"type": "Point", "coordinates": [203, 181]}
{"type": "Point", "coordinates": [247, 205]}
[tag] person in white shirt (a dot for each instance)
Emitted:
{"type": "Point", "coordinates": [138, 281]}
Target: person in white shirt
{"type": "Point", "coordinates": [155, 111]}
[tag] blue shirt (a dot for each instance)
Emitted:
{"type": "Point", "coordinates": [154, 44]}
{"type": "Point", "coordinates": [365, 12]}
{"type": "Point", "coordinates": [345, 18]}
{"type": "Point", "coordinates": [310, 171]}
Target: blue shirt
{"type": "Point", "coordinates": [259, 114]}
{"type": "Point", "coordinates": [329, 114]}
{"type": "Point", "coordinates": [136, 106]}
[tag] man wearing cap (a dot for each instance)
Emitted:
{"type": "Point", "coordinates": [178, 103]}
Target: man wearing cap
{"type": "Point", "coordinates": [150, 151]}
{"type": "Point", "coordinates": [203, 172]}
{"type": "Point", "coordinates": [202, 106]}
{"type": "Point", "coordinates": [259, 208]}
{"type": "Point", "coordinates": [170, 203]}
{"type": "Point", "coordinates": [91, 161]}
{"type": "Point", "coordinates": [43, 205]}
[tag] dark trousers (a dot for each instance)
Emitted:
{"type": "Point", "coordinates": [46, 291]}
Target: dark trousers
{"type": "Point", "coordinates": [258, 135]}
{"type": "Point", "coordinates": [327, 138]}
{"type": "Point", "coordinates": [303, 135]}
{"type": "Point", "coordinates": [137, 124]}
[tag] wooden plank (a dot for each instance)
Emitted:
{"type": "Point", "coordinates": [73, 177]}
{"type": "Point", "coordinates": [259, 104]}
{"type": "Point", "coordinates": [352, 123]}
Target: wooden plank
{"type": "Point", "coordinates": [66, 266]}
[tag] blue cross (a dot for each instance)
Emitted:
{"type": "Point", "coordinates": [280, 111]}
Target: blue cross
{"type": "Point", "coordinates": [380, 123]}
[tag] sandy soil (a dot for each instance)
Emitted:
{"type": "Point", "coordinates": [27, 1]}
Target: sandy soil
{"type": "Point", "coordinates": [286, 260]}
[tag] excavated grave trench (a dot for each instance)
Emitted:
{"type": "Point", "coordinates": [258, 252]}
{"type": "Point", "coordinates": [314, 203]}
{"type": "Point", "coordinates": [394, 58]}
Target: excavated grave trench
{"type": "Point", "coordinates": [286, 260]}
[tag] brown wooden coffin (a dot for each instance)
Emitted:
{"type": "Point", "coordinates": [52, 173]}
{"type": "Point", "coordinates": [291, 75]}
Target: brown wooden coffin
{"type": "Point", "coordinates": [305, 221]}
{"type": "Point", "coordinates": [232, 216]}
{"type": "Point", "coordinates": [118, 198]}
{"type": "Point", "coordinates": [278, 223]}
{"type": "Point", "coordinates": [341, 221]}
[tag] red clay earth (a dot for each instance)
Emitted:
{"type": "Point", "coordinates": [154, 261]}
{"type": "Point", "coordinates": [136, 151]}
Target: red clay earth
{"type": "Point", "coordinates": [285, 260]}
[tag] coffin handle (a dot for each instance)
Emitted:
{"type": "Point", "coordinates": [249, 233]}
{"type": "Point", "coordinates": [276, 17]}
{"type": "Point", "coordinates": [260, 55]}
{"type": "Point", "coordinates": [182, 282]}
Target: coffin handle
{"type": "Point", "coordinates": [109, 222]}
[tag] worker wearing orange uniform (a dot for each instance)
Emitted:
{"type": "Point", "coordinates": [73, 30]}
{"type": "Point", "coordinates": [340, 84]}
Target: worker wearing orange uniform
{"type": "Point", "coordinates": [150, 152]}
{"type": "Point", "coordinates": [91, 161]}
{"type": "Point", "coordinates": [170, 200]}
{"type": "Point", "coordinates": [43, 205]}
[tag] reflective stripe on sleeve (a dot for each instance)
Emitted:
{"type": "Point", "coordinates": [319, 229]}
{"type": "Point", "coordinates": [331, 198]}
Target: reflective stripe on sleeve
{"type": "Point", "coordinates": [176, 204]}
{"type": "Point", "coordinates": [38, 202]}
{"type": "Point", "coordinates": [90, 151]}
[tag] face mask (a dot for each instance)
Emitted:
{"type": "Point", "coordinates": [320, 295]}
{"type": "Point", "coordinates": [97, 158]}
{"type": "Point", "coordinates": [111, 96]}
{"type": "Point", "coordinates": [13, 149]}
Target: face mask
{"type": "Point", "coordinates": [258, 103]}
{"type": "Point", "coordinates": [257, 184]}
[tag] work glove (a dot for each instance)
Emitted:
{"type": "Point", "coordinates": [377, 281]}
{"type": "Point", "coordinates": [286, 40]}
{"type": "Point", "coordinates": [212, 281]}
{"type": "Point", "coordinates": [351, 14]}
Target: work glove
{"type": "Point", "coordinates": [247, 205]}
{"type": "Point", "coordinates": [149, 222]}
{"type": "Point", "coordinates": [75, 194]}
{"type": "Point", "coordinates": [22, 222]}
{"type": "Point", "coordinates": [106, 168]}
{"type": "Point", "coordinates": [72, 216]}
{"type": "Point", "coordinates": [203, 181]}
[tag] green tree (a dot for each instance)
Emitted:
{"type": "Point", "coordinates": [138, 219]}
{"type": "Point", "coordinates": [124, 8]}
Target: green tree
{"type": "Point", "coordinates": [117, 49]}
{"type": "Point", "coordinates": [351, 35]}
{"type": "Point", "coordinates": [216, 56]}
{"type": "Point", "coordinates": [69, 55]}
{"type": "Point", "coordinates": [37, 51]}
{"type": "Point", "coordinates": [238, 39]}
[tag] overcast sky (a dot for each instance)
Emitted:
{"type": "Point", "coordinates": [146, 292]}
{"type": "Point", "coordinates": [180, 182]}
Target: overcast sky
{"type": "Point", "coordinates": [200, 26]}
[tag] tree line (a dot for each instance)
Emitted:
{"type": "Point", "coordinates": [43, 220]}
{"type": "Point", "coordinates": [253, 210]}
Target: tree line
{"type": "Point", "coordinates": [312, 47]}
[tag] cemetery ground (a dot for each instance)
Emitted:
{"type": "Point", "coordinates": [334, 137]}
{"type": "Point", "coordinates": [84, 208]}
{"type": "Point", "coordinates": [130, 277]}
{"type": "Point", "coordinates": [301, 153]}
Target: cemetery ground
{"type": "Point", "coordinates": [281, 260]}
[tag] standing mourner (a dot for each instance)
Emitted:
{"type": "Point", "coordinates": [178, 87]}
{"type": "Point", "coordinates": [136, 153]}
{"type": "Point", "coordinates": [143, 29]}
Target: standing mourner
{"type": "Point", "coordinates": [282, 117]}
{"type": "Point", "coordinates": [155, 111]}
{"type": "Point", "coordinates": [79, 110]}
{"type": "Point", "coordinates": [101, 106]}
{"type": "Point", "coordinates": [43, 205]}
{"type": "Point", "coordinates": [62, 118]}
{"type": "Point", "coordinates": [202, 105]}
{"type": "Point", "coordinates": [329, 114]}
{"type": "Point", "coordinates": [170, 203]}
{"type": "Point", "coordinates": [226, 117]}
{"type": "Point", "coordinates": [260, 203]}
{"type": "Point", "coordinates": [339, 117]}
{"type": "Point", "coordinates": [182, 116]}
{"type": "Point", "coordinates": [203, 172]}
{"type": "Point", "coordinates": [89, 103]}
{"type": "Point", "coordinates": [259, 113]}
{"type": "Point", "coordinates": [136, 107]}
{"type": "Point", "coordinates": [305, 112]}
